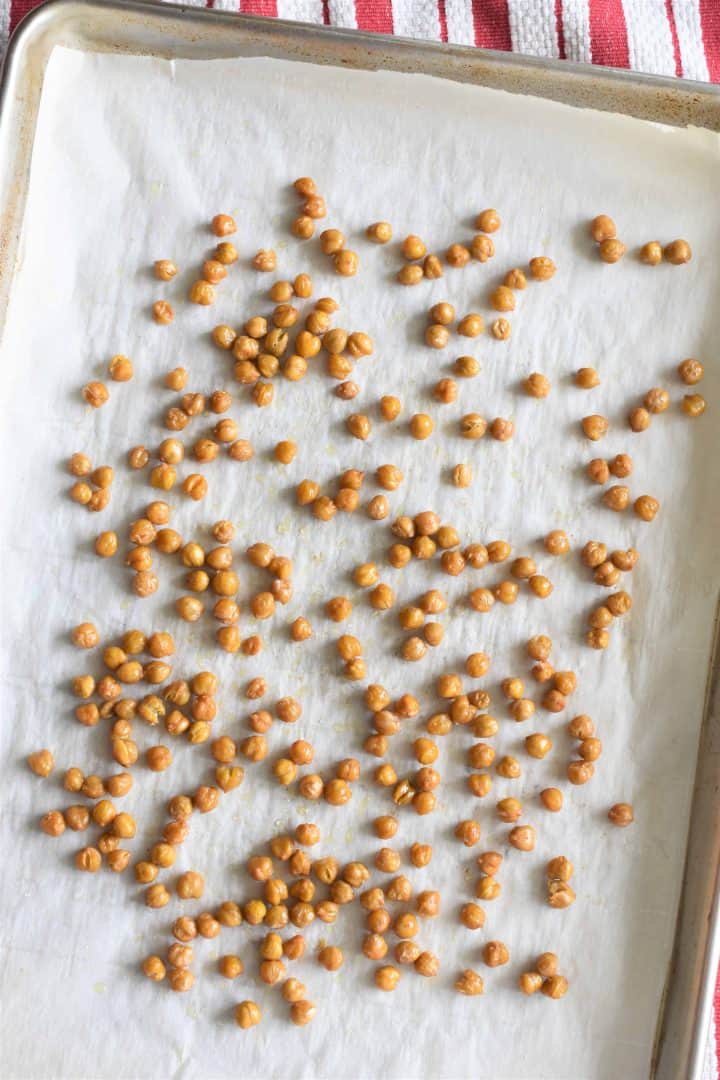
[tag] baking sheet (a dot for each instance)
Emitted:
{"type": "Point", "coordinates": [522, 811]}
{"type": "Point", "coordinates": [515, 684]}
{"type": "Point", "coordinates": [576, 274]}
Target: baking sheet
{"type": "Point", "coordinates": [132, 156]}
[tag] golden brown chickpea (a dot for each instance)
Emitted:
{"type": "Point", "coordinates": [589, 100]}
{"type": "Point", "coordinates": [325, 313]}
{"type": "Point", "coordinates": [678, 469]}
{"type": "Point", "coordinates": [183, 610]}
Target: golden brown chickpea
{"type": "Point", "coordinates": [41, 762]}
{"type": "Point", "coordinates": [693, 405]}
{"type": "Point", "coordinates": [95, 394]}
{"type": "Point", "coordinates": [602, 228]}
{"type": "Point", "coordinates": [469, 983]}
{"type": "Point", "coordinates": [617, 498]}
{"type": "Point", "coordinates": [611, 250]}
{"type": "Point", "coordinates": [471, 325]}
{"type": "Point", "coordinates": [437, 336]}
{"type": "Point", "coordinates": [380, 232]}
{"type": "Point", "coordinates": [265, 260]}
{"type": "Point", "coordinates": [677, 252]}
{"type": "Point", "coordinates": [656, 400]}
{"type": "Point", "coordinates": [580, 772]}
{"type": "Point", "coordinates": [387, 977]}
{"type": "Point", "coordinates": [639, 419]}
{"type": "Point", "coordinates": [651, 253]}
{"type": "Point", "coordinates": [530, 982]}
{"type": "Point", "coordinates": [162, 312]}
{"type": "Point", "coordinates": [247, 1014]}
{"type": "Point", "coordinates": [53, 823]}
{"type": "Point", "coordinates": [88, 859]}
{"type": "Point", "coordinates": [501, 329]}
{"type": "Point", "coordinates": [595, 427]}
{"type": "Point", "coordinates": [690, 371]}
{"type": "Point", "coordinates": [457, 255]}
{"type": "Point", "coordinates": [542, 268]}
{"type": "Point", "coordinates": [621, 815]}
{"type": "Point", "coordinates": [421, 426]}
{"type": "Point", "coordinates": [346, 263]}
{"type": "Point", "coordinates": [646, 507]}
{"type": "Point", "coordinates": [587, 378]}
{"type": "Point", "coordinates": [495, 953]}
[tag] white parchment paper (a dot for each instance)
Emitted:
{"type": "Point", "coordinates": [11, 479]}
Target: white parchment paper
{"type": "Point", "coordinates": [132, 158]}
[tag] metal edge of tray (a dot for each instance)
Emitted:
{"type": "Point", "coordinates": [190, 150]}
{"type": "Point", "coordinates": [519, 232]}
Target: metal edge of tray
{"type": "Point", "coordinates": [154, 28]}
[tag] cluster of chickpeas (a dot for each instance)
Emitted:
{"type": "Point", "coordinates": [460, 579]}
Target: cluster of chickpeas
{"type": "Point", "coordinates": [349, 485]}
{"type": "Point", "coordinates": [607, 569]}
{"type": "Point", "coordinates": [92, 487]}
{"type": "Point", "coordinates": [544, 977]}
{"type": "Point", "coordinates": [295, 888]}
{"type": "Point", "coordinates": [95, 393]}
{"type": "Point", "coordinates": [115, 825]}
{"type": "Point", "coordinates": [603, 231]}
{"type": "Point", "coordinates": [558, 873]}
{"type": "Point", "coordinates": [522, 569]}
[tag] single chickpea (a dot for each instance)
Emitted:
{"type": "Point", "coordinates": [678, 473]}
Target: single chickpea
{"type": "Point", "coordinates": [88, 859]}
{"type": "Point", "coordinates": [471, 325]}
{"type": "Point", "coordinates": [247, 1014]}
{"type": "Point", "coordinates": [53, 823]}
{"type": "Point", "coordinates": [617, 498]}
{"type": "Point", "coordinates": [472, 426]}
{"type": "Point", "coordinates": [542, 268]}
{"type": "Point", "coordinates": [580, 772]}
{"type": "Point", "coordinates": [602, 228]}
{"type": "Point", "coordinates": [595, 427]}
{"type": "Point", "coordinates": [482, 248]}
{"type": "Point", "coordinates": [466, 366]}
{"type": "Point", "coordinates": [690, 371]}
{"type": "Point", "coordinates": [611, 250]}
{"type": "Point", "coordinates": [646, 507]}
{"type": "Point", "coordinates": [469, 983]}
{"type": "Point", "coordinates": [522, 837]}
{"type": "Point", "coordinates": [639, 419]}
{"type": "Point", "coordinates": [677, 252]}
{"type": "Point", "coordinates": [380, 232]}
{"type": "Point", "coordinates": [437, 336]}
{"type": "Point", "coordinates": [656, 400]}
{"type": "Point", "coordinates": [502, 430]}
{"type": "Point", "coordinates": [421, 854]}
{"type": "Point", "coordinates": [95, 394]}
{"type": "Point", "coordinates": [621, 815]}
{"type": "Point", "coordinates": [120, 369]}
{"type": "Point", "coordinates": [587, 378]}
{"type": "Point", "coordinates": [537, 385]}
{"type": "Point", "coordinates": [387, 977]}
{"type": "Point", "coordinates": [265, 260]}
{"type": "Point", "coordinates": [346, 263]}
{"type": "Point", "coordinates": [421, 426]}
{"type": "Point", "coordinates": [358, 425]}
{"type": "Point", "coordinates": [162, 312]}
{"type": "Point", "coordinates": [552, 799]}
{"type": "Point", "coordinates": [651, 253]}
{"type": "Point", "coordinates": [41, 762]}
{"type": "Point", "coordinates": [530, 982]}
{"type": "Point", "coordinates": [693, 405]}
{"type": "Point", "coordinates": [495, 953]}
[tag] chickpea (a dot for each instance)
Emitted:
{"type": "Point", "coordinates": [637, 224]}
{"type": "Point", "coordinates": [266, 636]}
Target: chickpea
{"type": "Point", "coordinates": [693, 405]}
{"type": "Point", "coordinates": [646, 507]}
{"type": "Point", "coordinates": [88, 859]}
{"type": "Point", "coordinates": [602, 228]}
{"type": "Point", "coordinates": [639, 419]}
{"type": "Point", "coordinates": [95, 394]}
{"type": "Point", "coordinates": [346, 263]}
{"type": "Point", "coordinates": [420, 854]}
{"type": "Point", "coordinates": [41, 762]}
{"type": "Point", "coordinates": [580, 772]}
{"type": "Point", "coordinates": [469, 983]}
{"type": "Point", "coordinates": [421, 426]}
{"type": "Point", "coordinates": [387, 977]}
{"type": "Point", "coordinates": [611, 250]}
{"type": "Point", "coordinates": [595, 427]}
{"type": "Point", "coordinates": [530, 982]}
{"type": "Point", "coordinates": [495, 953]}
{"type": "Point", "coordinates": [617, 498]}
{"type": "Point", "coordinates": [472, 426]}
{"type": "Point", "coordinates": [587, 378]}
{"type": "Point", "coordinates": [471, 325]}
{"type": "Point", "coordinates": [247, 1014]}
{"type": "Point", "coordinates": [466, 366]}
{"type": "Point", "coordinates": [621, 815]}
{"type": "Point", "coordinates": [690, 371]}
{"type": "Point", "coordinates": [677, 252]}
{"type": "Point", "coordinates": [53, 823]}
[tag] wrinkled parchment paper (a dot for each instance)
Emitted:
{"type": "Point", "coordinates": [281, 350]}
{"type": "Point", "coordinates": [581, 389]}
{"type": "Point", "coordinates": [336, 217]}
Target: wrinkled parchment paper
{"type": "Point", "coordinates": [132, 158]}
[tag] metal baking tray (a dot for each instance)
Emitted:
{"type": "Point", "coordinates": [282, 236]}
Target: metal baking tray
{"type": "Point", "coordinates": [145, 27]}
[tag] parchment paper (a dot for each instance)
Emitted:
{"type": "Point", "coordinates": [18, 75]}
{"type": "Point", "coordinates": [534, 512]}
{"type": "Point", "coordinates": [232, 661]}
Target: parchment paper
{"type": "Point", "coordinates": [132, 158]}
